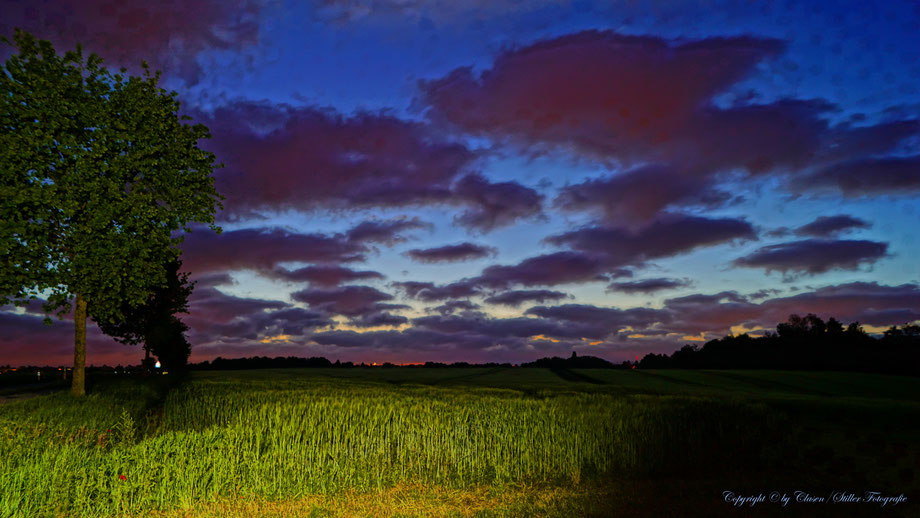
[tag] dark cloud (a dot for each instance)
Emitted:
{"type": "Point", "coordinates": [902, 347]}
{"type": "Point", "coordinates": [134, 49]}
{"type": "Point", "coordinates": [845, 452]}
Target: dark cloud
{"type": "Point", "coordinates": [379, 318]}
{"type": "Point", "coordinates": [667, 236]}
{"type": "Point", "coordinates": [600, 92]}
{"type": "Point", "coordinates": [495, 204]}
{"type": "Point", "coordinates": [507, 329]}
{"type": "Point", "coordinates": [866, 177]}
{"type": "Point", "coordinates": [384, 232]}
{"type": "Point", "coordinates": [353, 301]}
{"type": "Point", "coordinates": [167, 35]}
{"type": "Point", "coordinates": [263, 249]}
{"type": "Point", "coordinates": [646, 107]}
{"type": "Point", "coordinates": [866, 302]}
{"type": "Point", "coordinates": [324, 275]}
{"type": "Point", "coordinates": [715, 313]}
{"type": "Point", "coordinates": [451, 253]}
{"type": "Point", "coordinates": [814, 256]}
{"type": "Point", "coordinates": [544, 270]}
{"type": "Point", "coordinates": [429, 291]}
{"type": "Point", "coordinates": [648, 285]}
{"type": "Point", "coordinates": [210, 304]}
{"type": "Point", "coordinates": [455, 305]}
{"type": "Point", "coordinates": [320, 159]}
{"type": "Point", "coordinates": [828, 226]}
{"type": "Point", "coordinates": [640, 194]}
{"type": "Point", "coordinates": [518, 297]}
{"type": "Point", "coordinates": [604, 321]}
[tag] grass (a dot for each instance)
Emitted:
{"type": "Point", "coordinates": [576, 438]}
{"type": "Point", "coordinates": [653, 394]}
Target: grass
{"type": "Point", "coordinates": [454, 442]}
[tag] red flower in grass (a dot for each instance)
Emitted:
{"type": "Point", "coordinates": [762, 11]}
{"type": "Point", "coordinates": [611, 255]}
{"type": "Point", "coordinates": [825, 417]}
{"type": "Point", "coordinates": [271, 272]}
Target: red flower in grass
{"type": "Point", "coordinates": [122, 477]}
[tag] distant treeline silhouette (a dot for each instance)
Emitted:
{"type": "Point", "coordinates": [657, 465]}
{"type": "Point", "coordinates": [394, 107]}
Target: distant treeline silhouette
{"type": "Point", "coordinates": [803, 343]}
{"type": "Point", "coordinates": [282, 362]}
{"type": "Point", "coordinates": [575, 362]}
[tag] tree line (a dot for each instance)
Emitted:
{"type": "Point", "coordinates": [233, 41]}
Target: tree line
{"type": "Point", "coordinates": [803, 343]}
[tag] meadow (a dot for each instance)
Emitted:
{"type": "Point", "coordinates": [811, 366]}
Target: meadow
{"type": "Point", "coordinates": [461, 442]}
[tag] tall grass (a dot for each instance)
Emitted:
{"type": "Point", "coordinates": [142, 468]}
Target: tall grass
{"type": "Point", "coordinates": [284, 438]}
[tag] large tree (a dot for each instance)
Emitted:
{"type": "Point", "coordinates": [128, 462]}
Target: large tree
{"type": "Point", "coordinates": [154, 323]}
{"type": "Point", "coordinates": [100, 176]}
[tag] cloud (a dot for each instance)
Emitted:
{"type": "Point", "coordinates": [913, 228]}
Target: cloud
{"type": "Point", "coordinates": [814, 256]}
{"type": "Point", "coordinates": [377, 319]}
{"type": "Point", "coordinates": [384, 232]}
{"type": "Point", "coordinates": [23, 335]}
{"type": "Point", "coordinates": [455, 305]}
{"type": "Point", "coordinates": [324, 275]}
{"type": "Point", "coordinates": [828, 226]}
{"type": "Point", "coordinates": [544, 270]}
{"type": "Point", "coordinates": [212, 305]}
{"type": "Point", "coordinates": [866, 177]}
{"type": "Point", "coordinates": [169, 36]}
{"type": "Point", "coordinates": [346, 11]}
{"type": "Point", "coordinates": [518, 297]}
{"type": "Point", "coordinates": [318, 158]}
{"type": "Point", "coordinates": [352, 301]}
{"type": "Point", "coordinates": [646, 107]}
{"type": "Point", "coordinates": [604, 321]}
{"type": "Point", "coordinates": [648, 285]}
{"type": "Point", "coordinates": [263, 249]}
{"type": "Point", "coordinates": [667, 236]}
{"type": "Point", "coordinates": [451, 253]}
{"type": "Point", "coordinates": [495, 204]}
{"type": "Point", "coordinates": [602, 93]}
{"type": "Point", "coordinates": [429, 291]}
{"type": "Point", "coordinates": [640, 194]}
{"type": "Point", "coordinates": [867, 302]}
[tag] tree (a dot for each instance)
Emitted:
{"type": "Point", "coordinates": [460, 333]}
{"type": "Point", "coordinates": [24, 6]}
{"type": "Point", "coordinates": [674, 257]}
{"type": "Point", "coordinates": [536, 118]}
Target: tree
{"type": "Point", "coordinates": [99, 177]}
{"type": "Point", "coordinates": [154, 323]}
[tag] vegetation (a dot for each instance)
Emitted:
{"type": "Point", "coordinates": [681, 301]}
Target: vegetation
{"type": "Point", "coordinates": [803, 343]}
{"type": "Point", "coordinates": [99, 174]}
{"type": "Point", "coordinates": [155, 324]}
{"type": "Point", "coordinates": [303, 439]}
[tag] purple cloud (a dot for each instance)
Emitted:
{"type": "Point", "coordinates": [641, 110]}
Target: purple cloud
{"type": "Point", "coordinates": [324, 275]}
{"type": "Point", "coordinates": [353, 301]}
{"type": "Point", "coordinates": [263, 249]}
{"type": "Point", "coordinates": [814, 256]}
{"type": "Point", "coordinates": [866, 177]}
{"type": "Point", "coordinates": [518, 297]}
{"type": "Point", "coordinates": [648, 285]}
{"type": "Point", "coordinates": [451, 253]}
{"type": "Point", "coordinates": [495, 204]}
{"type": "Point", "coordinates": [667, 236]}
{"type": "Point", "coordinates": [828, 226]}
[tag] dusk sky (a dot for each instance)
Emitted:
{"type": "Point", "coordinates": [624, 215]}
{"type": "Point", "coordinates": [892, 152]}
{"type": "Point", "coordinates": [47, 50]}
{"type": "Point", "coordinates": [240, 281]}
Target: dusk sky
{"type": "Point", "coordinates": [503, 180]}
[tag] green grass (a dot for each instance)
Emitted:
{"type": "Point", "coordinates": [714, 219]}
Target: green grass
{"type": "Point", "coordinates": [280, 437]}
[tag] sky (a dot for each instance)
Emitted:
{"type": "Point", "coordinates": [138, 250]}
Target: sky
{"type": "Point", "coordinates": [504, 180]}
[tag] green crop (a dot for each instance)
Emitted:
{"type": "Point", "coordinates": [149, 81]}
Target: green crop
{"type": "Point", "coordinates": [219, 437]}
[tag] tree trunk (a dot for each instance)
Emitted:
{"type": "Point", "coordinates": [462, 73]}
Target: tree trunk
{"type": "Point", "coordinates": [78, 387]}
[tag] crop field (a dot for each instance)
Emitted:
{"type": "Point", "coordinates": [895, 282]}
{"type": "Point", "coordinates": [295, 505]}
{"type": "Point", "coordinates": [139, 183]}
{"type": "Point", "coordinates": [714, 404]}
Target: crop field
{"type": "Point", "coordinates": [461, 442]}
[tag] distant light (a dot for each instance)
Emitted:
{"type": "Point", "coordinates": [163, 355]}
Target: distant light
{"type": "Point", "coordinates": [157, 364]}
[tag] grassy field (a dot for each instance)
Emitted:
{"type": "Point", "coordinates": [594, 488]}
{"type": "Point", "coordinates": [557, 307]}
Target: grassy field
{"type": "Point", "coordinates": [464, 442]}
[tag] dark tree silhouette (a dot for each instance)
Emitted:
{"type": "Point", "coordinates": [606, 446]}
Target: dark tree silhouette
{"type": "Point", "coordinates": [803, 343]}
{"type": "Point", "coordinates": [154, 323]}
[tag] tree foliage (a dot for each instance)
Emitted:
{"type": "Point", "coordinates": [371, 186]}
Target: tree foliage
{"type": "Point", "coordinates": [154, 323]}
{"type": "Point", "coordinates": [803, 343]}
{"type": "Point", "coordinates": [99, 177]}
